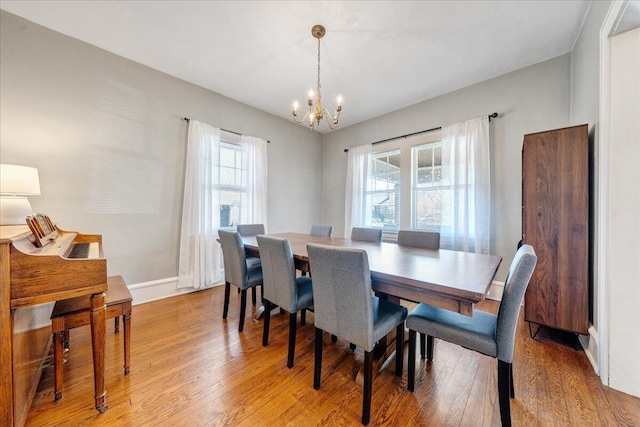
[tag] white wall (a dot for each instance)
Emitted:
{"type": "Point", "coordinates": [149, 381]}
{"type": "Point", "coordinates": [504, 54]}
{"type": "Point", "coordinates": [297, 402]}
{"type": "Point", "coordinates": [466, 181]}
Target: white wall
{"type": "Point", "coordinates": [585, 65]}
{"type": "Point", "coordinates": [623, 224]}
{"type": "Point", "coordinates": [101, 128]}
{"type": "Point", "coordinates": [529, 100]}
{"type": "Point", "coordinates": [611, 345]}
{"type": "Point", "coordinates": [585, 108]}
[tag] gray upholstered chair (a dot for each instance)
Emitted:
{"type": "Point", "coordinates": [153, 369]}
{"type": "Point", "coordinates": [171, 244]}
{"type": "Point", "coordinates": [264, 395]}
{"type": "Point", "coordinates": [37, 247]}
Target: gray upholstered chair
{"type": "Point", "coordinates": [490, 334]}
{"type": "Point", "coordinates": [237, 272]}
{"type": "Point", "coordinates": [251, 230]}
{"type": "Point", "coordinates": [282, 288]}
{"type": "Point", "coordinates": [344, 306]}
{"type": "Point", "coordinates": [419, 239]}
{"type": "Point", "coordinates": [321, 230]}
{"type": "Point", "coordinates": [366, 234]}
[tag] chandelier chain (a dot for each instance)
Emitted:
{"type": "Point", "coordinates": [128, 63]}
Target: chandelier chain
{"type": "Point", "coordinates": [318, 66]}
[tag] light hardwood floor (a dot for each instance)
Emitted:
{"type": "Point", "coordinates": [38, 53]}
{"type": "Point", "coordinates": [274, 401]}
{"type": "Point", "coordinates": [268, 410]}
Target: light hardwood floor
{"type": "Point", "coordinates": [191, 368]}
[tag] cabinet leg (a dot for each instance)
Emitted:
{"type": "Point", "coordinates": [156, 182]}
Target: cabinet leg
{"type": "Point", "coordinates": [531, 334]}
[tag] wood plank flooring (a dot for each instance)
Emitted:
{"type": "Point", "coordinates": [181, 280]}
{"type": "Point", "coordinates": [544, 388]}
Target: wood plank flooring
{"type": "Point", "coordinates": [191, 368]}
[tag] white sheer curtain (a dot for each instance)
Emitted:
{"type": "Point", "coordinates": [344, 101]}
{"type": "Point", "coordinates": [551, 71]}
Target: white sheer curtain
{"type": "Point", "coordinates": [255, 152]}
{"type": "Point", "coordinates": [466, 186]}
{"type": "Point", "coordinates": [355, 201]}
{"type": "Point", "coordinates": [200, 253]}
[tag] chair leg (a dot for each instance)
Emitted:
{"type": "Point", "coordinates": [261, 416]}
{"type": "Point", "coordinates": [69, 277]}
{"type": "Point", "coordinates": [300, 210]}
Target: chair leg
{"type": "Point", "coordinates": [368, 382]}
{"type": "Point", "coordinates": [293, 319]}
{"type": "Point", "coordinates": [253, 295]}
{"type": "Point", "coordinates": [267, 320]}
{"type": "Point", "coordinates": [303, 316]}
{"type": "Point", "coordinates": [399, 347]}
{"type": "Point", "coordinates": [116, 325]}
{"type": "Point", "coordinates": [334, 338]}
{"type": "Point", "coordinates": [352, 346]}
{"type": "Point", "coordinates": [504, 369]}
{"type": "Point", "coordinates": [243, 309]}
{"type": "Point", "coordinates": [227, 290]}
{"type": "Point", "coordinates": [512, 392]}
{"type": "Point", "coordinates": [423, 340]}
{"type": "Point", "coordinates": [57, 362]}
{"type": "Point", "coordinates": [429, 348]}
{"type": "Point", "coordinates": [317, 366]}
{"type": "Point", "coordinates": [411, 361]}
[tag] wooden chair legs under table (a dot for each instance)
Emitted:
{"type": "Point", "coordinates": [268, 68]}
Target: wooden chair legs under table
{"type": "Point", "coordinates": [72, 313]}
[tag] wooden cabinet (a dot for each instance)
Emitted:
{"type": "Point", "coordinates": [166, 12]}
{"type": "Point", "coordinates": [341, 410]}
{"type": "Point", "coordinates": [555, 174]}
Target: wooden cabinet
{"type": "Point", "coordinates": [555, 221]}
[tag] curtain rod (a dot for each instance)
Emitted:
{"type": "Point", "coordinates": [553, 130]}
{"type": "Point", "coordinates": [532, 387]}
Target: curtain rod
{"type": "Point", "coordinates": [187, 119]}
{"type": "Point", "coordinates": [491, 116]}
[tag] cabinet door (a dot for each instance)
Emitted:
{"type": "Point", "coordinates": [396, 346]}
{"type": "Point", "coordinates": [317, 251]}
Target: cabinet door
{"type": "Point", "coordinates": [555, 222]}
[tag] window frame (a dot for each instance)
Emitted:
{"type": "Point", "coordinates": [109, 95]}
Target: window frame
{"type": "Point", "coordinates": [385, 191]}
{"type": "Point", "coordinates": [405, 145]}
{"type": "Point", "coordinates": [415, 189]}
{"type": "Point", "coordinates": [230, 141]}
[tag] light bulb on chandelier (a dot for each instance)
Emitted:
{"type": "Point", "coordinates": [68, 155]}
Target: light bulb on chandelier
{"type": "Point", "coordinates": [317, 113]}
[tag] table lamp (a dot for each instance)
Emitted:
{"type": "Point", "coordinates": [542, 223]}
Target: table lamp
{"type": "Point", "coordinates": [17, 182]}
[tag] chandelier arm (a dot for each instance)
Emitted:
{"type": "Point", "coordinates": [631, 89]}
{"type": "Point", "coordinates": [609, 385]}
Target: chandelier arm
{"type": "Point", "coordinates": [331, 120]}
{"type": "Point", "coordinates": [334, 117]}
{"type": "Point", "coordinates": [295, 118]}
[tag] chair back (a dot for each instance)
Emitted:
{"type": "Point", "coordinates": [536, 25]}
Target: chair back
{"type": "Point", "coordinates": [343, 303]}
{"type": "Point", "coordinates": [366, 234]}
{"type": "Point", "coordinates": [235, 259]}
{"type": "Point", "coordinates": [321, 230]}
{"type": "Point", "coordinates": [250, 229]}
{"type": "Point", "coordinates": [419, 239]}
{"type": "Point", "coordinates": [515, 286]}
{"type": "Point", "coordinates": [278, 272]}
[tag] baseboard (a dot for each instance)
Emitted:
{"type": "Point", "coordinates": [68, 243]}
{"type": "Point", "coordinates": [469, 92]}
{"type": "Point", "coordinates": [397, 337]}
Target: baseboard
{"type": "Point", "coordinates": [158, 289]}
{"type": "Point", "coordinates": [495, 291]}
{"type": "Point", "coordinates": [590, 345]}
{"type": "Point", "coordinates": [34, 317]}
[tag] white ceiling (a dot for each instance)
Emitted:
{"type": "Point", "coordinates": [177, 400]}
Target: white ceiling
{"type": "Point", "coordinates": [381, 56]}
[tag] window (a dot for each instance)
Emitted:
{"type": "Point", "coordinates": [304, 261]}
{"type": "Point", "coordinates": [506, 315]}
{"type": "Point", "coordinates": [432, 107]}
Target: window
{"type": "Point", "coordinates": [383, 190]}
{"type": "Point", "coordinates": [436, 180]}
{"type": "Point", "coordinates": [427, 186]}
{"type": "Point", "coordinates": [231, 183]}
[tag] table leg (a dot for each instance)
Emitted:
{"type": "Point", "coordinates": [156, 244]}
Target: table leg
{"type": "Point", "coordinates": [98, 326]}
{"type": "Point", "coordinates": [58, 338]}
{"type": "Point", "coordinates": [259, 314]}
{"type": "Point", "coordinates": [126, 323]}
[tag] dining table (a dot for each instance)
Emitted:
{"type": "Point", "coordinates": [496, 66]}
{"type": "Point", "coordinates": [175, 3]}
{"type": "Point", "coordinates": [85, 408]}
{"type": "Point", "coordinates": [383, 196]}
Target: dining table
{"type": "Point", "coordinates": [448, 279]}
{"type": "Point", "coordinates": [452, 280]}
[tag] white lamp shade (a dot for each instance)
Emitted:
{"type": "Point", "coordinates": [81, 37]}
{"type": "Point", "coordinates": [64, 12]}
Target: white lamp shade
{"type": "Point", "coordinates": [19, 180]}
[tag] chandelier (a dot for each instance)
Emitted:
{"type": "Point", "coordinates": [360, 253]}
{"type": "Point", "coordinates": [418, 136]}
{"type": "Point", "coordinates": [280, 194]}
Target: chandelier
{"type": "Point", "coordinates": [317, 113]}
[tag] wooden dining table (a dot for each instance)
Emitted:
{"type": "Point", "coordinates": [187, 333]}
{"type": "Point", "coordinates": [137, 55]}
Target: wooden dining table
{"type": "Point", "coordinates": [452, 280]}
